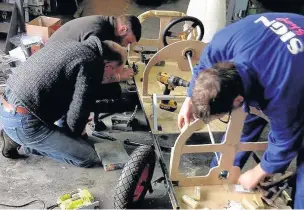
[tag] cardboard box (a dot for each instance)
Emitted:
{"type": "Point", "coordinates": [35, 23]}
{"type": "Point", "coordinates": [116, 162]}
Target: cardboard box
{"type": "Point", "coordinates": [43, 26]}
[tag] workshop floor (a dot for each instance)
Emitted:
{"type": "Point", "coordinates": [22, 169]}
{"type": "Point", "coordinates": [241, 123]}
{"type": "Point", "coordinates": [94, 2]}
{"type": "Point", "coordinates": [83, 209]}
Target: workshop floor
{"type": "Point", "coordinates": [41, 178]}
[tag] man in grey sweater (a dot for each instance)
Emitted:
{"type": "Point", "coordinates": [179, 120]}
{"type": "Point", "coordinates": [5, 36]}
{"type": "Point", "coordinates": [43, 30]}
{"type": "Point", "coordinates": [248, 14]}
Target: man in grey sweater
{"type": "Point", "coordinates": [124, 30]}
{"type": "Point", "coordinates": [60, 79]}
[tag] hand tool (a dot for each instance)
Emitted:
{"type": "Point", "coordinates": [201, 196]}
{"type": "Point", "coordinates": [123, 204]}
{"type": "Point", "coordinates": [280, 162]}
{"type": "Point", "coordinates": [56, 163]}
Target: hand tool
{"type": "Point", "coordinates": [272, 188]}
{"type": "Point", "coordinates": [170, 83]}
{"type": "Point", "coordinates": [103, 135]}
{"type": "Point", "coordinates": [123, 122]}
{"type": "Point", "coordinates": [80, 199]}
{"type": "Point", "coordinates": [271, 201]}
{"type": "Point", "coordinates": [277, 181]}
{"type": "Point", "coordinates": [133, 143]}
{"type": "Point", "coordinates": [146, 53]}
{"type": "Point", "coordinates": [135, 68]}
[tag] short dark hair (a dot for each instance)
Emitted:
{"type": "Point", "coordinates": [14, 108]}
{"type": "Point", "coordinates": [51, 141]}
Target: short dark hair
{"type": "Point", "coordinates": [111, 52]}
{"type": "Point", "coordinates": [215, 90]}
{"type": "Point", "coordinates": [133, 23]}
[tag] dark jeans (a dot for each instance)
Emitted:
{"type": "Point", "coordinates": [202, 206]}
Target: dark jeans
{"type": "Point", "coordinates": [37, 138]}
{"type": "Point", "coordinates": [253, 127]}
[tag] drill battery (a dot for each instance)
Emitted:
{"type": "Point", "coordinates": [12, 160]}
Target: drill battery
{"type": "Point", "coordinates": [170, 105]}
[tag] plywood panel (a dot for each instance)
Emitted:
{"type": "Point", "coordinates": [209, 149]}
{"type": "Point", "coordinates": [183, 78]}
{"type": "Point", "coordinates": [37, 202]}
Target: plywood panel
{"type": "Point", "coordinates": [175, 52]}
{"type": "Point", "coordinates": [228, 149]}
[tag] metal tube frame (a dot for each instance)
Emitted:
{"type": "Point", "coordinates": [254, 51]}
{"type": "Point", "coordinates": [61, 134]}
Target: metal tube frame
{"type": "Point", "coordinates": [168, 183]}
{"type": "Point", "coordinates": [160, 158]}
{"type": "Point", "coordinates": [155, 98]}
{"type": "Point", "coordinates": [190, 63]}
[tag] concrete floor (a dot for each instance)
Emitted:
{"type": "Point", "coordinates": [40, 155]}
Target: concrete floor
{"type": "Point", "coordinates": [45, 179]}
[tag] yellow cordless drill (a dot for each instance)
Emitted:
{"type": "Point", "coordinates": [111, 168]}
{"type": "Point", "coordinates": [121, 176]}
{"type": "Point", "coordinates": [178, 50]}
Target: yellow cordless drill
{"type": "Point", "coordinates": [170, 83]}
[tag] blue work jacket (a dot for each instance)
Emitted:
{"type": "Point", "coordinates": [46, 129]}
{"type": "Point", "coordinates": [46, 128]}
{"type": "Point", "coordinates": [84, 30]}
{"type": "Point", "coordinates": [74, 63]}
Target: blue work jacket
{"type": "Point", "coordinates": [267, 50]}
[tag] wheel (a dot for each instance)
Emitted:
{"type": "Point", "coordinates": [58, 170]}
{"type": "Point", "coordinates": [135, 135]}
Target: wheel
{"type": "Point", "coordinates": [195, 22]}
{"type": "Point", "coordinates": [135, 178]}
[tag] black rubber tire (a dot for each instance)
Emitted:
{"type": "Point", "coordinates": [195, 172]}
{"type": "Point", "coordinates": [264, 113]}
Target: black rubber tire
{"type": "Point", "coordinates": [123, 197]}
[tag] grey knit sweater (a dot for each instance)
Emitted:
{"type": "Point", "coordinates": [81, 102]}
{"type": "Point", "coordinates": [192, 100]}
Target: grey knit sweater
{"type": "Point", "coordinates": [60, 80]}
{"type": "Point", "coordinates": [82, 28]}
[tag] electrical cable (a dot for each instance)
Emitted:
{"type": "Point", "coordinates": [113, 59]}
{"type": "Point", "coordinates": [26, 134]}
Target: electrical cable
{"type": "Point", "coordinates": [23, 205]}
{"type": "Point", "coordinates": [52, 207]}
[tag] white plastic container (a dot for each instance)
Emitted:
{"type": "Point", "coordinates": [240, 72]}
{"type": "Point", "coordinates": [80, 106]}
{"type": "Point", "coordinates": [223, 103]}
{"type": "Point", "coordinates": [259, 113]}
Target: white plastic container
{"type": "Point", "coordinates": [212, 13]}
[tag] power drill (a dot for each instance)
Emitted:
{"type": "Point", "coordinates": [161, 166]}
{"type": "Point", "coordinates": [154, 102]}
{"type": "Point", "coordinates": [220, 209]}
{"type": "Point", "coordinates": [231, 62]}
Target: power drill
{"type": "Point", "coordinates": [170, 83]}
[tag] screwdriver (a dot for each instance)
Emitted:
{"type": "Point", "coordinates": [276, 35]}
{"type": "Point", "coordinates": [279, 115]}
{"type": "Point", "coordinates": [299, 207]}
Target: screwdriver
{"type": "Point", "coordinates": [103, 136]}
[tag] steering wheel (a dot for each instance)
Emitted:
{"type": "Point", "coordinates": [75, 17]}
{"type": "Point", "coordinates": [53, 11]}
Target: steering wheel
{"type": "Point", "coordinates": [183, 35]}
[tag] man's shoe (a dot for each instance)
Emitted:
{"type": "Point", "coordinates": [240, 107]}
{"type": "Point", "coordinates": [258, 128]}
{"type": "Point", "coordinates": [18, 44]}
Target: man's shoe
{"type": "Point", "coordinates": [10, 148]}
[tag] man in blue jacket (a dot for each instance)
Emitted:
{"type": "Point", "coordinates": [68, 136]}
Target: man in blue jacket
{"type": "Point", "coordinates": [257, 61]}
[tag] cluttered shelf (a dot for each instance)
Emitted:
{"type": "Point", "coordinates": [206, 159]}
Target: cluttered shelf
{"type": "Point", "coordinates": [25, 44]}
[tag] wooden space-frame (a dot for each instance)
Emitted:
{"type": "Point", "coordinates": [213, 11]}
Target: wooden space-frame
{"type": "Point", "coordinates": [176, 52]}
{"type": "Point", "coordinates": [229, 148]}
{"type": "Point", "coordinates": [147, 85]}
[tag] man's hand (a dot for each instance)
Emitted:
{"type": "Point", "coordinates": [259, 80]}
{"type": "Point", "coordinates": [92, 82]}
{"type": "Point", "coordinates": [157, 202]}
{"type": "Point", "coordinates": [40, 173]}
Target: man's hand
{"type": "Point", "coordinates": [90, 119]}
{"type": "Point", "coordinates": [185, 114]}
{"type": "Point", "coordinates": [126, 74]}
{"type": "Point", "coordinates": [116, 74]}
{"type": "Point", "coordinates": [250, 179]}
